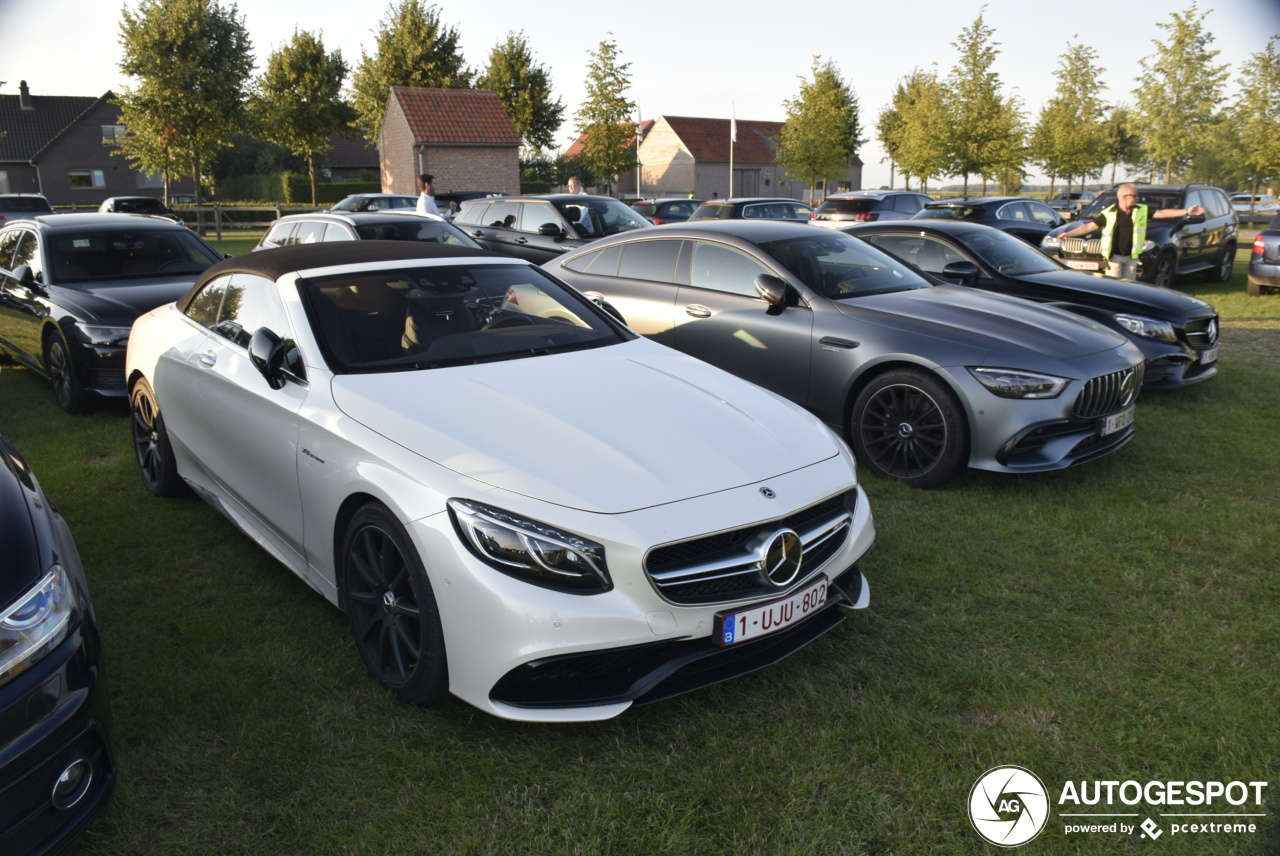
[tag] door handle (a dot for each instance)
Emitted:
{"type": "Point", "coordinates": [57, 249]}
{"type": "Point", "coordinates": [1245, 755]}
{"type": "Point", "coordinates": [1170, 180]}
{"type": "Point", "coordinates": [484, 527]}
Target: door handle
{"type": "Point", "coordinates": [834, 343]}
{"type": "Point", "coordinates": [477, 234]}
{"type": "Point", "coordinates": [697, 310]}
{"type": "Point", "coordinates": [521, 240]}
{"type": "Point", "coordinates": [207, 359]}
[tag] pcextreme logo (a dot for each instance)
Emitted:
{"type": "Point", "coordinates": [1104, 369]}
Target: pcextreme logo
{"type": "Point", "coordinates": [1009, 806]}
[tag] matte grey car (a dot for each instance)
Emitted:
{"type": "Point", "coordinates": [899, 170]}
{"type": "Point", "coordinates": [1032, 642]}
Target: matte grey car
{"type": "Point", "coordinates": [922, 379]}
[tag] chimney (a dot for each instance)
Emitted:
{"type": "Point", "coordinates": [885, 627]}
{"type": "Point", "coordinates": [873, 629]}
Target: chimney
{"type": "Point", "coordinates": [24, 96]}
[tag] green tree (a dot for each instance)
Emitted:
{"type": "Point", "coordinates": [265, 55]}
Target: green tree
{"type": "Point", "coordinates": [150, 142]}
{"type": "Point", "coordinates": [1068, 140]}
{"type": "Point", "coordinates": [1180, 91]}
{"type": "Point", "coordinates": [821, 133]}
{"type": "Point", "coordinates": [525, 90]}
{"type": "Point", "coordinates": [413, 49]}
{"type": "Point", "coordinates": [192, 59]}
{"type": "Point", "coordinates": [1257, 113]}
{"type": "Point", "coordinates": [1007, 159]}
{"type": "Point", "coordinates": [889, 133]}
{"type": "Point", "coordinates": [1120, 140]}
{"type": "Point", "coordinates": [918, 137]}
{"type": "Point", "coordinates": [298, 103]}
{"type": "Point", "coordinates": [980, 126]}
{"type": "Point", "coordinates": [604, 118]}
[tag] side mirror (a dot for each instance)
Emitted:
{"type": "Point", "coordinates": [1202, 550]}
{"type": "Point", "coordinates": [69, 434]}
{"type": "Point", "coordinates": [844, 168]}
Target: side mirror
{"type": "Point", "coordinates": [1194, 218]}
{"type": "Point", "coordinates": [966, 273]}
{"type": "Point", "coordinates": [24, 276]}
{"type": "Point", "coordinates": [267, 353]}
{"type": "Point", "coordinates": [772, 291]}
{"type": "Point", "coordinates": [550, 230]}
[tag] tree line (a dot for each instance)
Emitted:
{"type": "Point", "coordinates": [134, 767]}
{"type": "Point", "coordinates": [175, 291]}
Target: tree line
{"type": "Point", "coordinates": [195, 93]}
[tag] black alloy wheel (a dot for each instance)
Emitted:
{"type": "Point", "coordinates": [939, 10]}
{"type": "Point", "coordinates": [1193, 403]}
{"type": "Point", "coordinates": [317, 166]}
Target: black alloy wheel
{"type": "Point", "coordinates": [1221, 272]}
{"type": "Point", "coordinates": [908, 425]}
{"type": "Point", "coordinates": [67, 388]}
{"type": "Point", "coordinates": [156, 465]}
{"type": "Point", "coordinates": [391, 607]}
{"type": "Point", "coordinates": [1162, 271]}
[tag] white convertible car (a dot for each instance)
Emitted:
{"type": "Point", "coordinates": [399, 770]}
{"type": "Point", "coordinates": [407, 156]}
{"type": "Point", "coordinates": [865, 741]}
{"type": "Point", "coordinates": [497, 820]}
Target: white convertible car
{"type": "Point", "coordinates": [515, 499]}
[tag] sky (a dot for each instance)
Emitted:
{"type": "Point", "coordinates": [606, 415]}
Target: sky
{"type": "Point", "coordinates": [692, 58]}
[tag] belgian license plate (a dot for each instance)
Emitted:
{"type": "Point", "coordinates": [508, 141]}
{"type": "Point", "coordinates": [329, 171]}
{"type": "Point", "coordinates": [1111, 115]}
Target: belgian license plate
{"type": "Point", "coordinates": [1078, 265]}
{"type": "Point", "coordinates": [1117, 421]}
{"type": "Point", "coordinates": [758, 621]}
{"type": "Point", "coordinates": [1210, 355]}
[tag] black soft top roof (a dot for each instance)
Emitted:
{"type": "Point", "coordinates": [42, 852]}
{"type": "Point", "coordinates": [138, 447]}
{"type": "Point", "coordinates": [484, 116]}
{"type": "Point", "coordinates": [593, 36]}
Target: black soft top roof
{"type": "Point", "coordinates": [275, 263]}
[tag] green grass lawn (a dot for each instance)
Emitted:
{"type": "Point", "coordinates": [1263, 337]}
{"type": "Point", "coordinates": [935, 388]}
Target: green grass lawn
{"type": "Point", "coordinates": [1115, 621]}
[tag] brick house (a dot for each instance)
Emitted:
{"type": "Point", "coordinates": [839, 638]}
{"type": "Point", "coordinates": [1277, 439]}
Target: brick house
{"type": "Point", "coordinates": [626, 181]}
{"type": "Point", "coordinates": [683, 155]}
{"type": "Point", "coordinates": [60, 145]}
{"type": "Point", "coordinates": [463, 137]}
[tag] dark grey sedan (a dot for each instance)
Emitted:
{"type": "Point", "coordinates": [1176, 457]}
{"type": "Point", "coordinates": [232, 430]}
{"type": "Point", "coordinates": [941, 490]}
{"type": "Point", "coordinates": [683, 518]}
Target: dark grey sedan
{"type": "Point", "coordinates": [922, 379]}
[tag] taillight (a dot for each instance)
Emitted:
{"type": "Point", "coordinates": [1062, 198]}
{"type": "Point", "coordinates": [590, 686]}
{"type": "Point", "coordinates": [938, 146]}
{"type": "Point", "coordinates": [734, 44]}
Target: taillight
{"type": "Point", "coordinates": [658, 221]}
{"type": "Point", "coordinates": [1258, 246]}
{"type": "Point", "coordinates": [863, 216]}
{"type": "Point", "coordinates": [813, 215]}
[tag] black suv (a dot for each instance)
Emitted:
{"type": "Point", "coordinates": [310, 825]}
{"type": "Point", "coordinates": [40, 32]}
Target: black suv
{"type": "Point", "coordinates": [1205, 243]}
{"type": "Point", "coordinates": [541, 228]}
{"type": "Point", "coordinates": [859, 206]}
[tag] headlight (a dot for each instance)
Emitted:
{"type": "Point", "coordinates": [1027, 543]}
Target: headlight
{"type": "Point", "coordinates": [35, 625]}
{"type": "Point", "coordinates": [1050, 242]}
{"type": "Point", "coordinates": [96, 335]}
{"type": "Point", "coordinates": [1011, 383]}
{"type": "Point", "coordinates": [529, 550]}
{"type": "Point", "coordinates": [1149, 328]}
{"type": "Point", "coordinates": [1148, 246]}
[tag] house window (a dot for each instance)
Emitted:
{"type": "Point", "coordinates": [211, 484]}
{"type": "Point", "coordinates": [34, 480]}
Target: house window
{"type": "Point", "coordinates": [4, 181]}
{"type": "Point", "coordinates": [144, 181]}
{"type": "Point", "coordinates": [112, 134]}
{"type": "Point", "coordinates": [85, 178]}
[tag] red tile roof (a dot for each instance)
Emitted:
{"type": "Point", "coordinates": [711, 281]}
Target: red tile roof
{"type": "Point", "coordinates": [708, 139]}
{"type": "Point", "coordinates": [576, 149]}
{"type": "Point", "coordinates": [351, 153]}
{"type": "Point", "coordinates": [473, 117]}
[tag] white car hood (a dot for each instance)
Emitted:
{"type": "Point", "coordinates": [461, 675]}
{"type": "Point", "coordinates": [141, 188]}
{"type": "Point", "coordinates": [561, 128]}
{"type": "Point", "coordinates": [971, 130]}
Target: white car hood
{"type": "Point", "coordinates": [606, 430]}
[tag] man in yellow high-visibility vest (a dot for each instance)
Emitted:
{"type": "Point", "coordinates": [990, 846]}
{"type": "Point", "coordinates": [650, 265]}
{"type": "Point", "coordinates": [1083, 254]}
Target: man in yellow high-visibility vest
{"type": "Point", "coordinates": [1124, 230]}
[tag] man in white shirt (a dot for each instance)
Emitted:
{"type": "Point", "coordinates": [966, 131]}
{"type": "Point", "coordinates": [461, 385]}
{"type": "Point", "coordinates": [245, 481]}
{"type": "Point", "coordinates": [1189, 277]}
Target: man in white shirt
{"type": "Point", "coordinates": [427, 199]}
{"type": "Point", "coordinates": [584, 219]}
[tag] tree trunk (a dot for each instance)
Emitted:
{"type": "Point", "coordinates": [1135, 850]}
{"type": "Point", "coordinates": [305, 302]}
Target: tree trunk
{"type": "Point", "coordinates": [311, 171]}
{"type": "Point", "coordinates": [195, 178]}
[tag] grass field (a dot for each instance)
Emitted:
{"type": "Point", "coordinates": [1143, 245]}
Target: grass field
{"type": "Point", "coordinates": [1118, 621]}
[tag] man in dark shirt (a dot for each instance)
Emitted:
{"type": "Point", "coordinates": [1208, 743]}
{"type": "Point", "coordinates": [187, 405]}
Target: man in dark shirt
{"type": "Point", "coordinates": [1124, 230]}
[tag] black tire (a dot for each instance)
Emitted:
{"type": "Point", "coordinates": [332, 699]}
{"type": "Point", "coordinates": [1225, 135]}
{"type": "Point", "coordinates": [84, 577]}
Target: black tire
{"type": "Point", "coordinates": [67, 389]}
{"type": "Point", "coordinates": [157, 466]}
{"type": "Point", "coordinates": [1222, 271]}
{"type": "Point", "coordinates": [907, 425]}
{"type": "Point", "coordinates": [392, 609]}
{"type": "Point", "coordinates": [1163, 270]}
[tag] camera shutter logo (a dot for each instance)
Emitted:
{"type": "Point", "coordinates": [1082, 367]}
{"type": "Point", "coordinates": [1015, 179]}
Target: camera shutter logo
{"type": "Point", "coordinates": [1008, 806]}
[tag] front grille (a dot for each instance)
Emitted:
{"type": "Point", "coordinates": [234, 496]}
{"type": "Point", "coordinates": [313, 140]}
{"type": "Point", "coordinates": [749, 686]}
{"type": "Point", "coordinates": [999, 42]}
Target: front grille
{"type": "Point", "coordinates": [1109, 393]}
{"type": "Point", "coordinates": [728, 565]}
{"type": "Point", "coordinates": [1083, 246]}
{"type": "Point", "coordinates": [1202, 332]}
{"type": "Point", "coordinates": [106, 378]}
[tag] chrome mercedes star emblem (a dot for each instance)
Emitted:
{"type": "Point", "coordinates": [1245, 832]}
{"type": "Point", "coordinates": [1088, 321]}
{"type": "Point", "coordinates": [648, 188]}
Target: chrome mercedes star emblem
{"type": "Point", "coordinates": [782, 558]}
{"type": "Point", "coordinates": [767, 493]}
{"type": "Point", "coordinates": [1128, 387]}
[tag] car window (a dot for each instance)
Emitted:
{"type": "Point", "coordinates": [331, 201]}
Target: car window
{"type": "Point", "coordinates": [601, 263]}
{"type": "Point", "coordinates": [756, 212]}
{"type": "Point", "coordinates": [28, 253]}
{"type": "Point", "coordinates": [473, 213]}
{"type": "Point", "coordinates": [839, 266]}
{"type": "Point", "coordinates": [8, 242]}
{"type": "Point", "coordinates": [1010, 254]}
{"type": "Point", "coordinates": [925, 252]}
{"type": "Point", "coordinates": [280, 235]}
{"type": "Point", "coordinates": [535, 214]}
{"type": "Point", "coordinates": [432, 317]}
{"type": "Point", "coordinates": [1013, 211]}
{"type": "Point", "coordinates": [337, 232]}
{"type": "Point", "coordinates": [1041, 213]}
{"type": "Point", "coordinates": [1217, 204]}
{"type": "Point", "coordinates": [597, 216]}
{"type": "Point", "coordinates": [653, 261]}
{"type": "Point", "coordinates": [204, 307]}
{"type": "Point", "coordinates": [905, 203]}
{"type": "Point", "coordinates": [309, 232]}
{"type": "Point", "coordinates": [505, 215]}
{"type": "Point", "coordinates": [128, 253]}
{"type": "Point", "coordinates": [720, 268]}
{"type": "Point", "coordinates": [250, 302]}
{"type": "Point", "coordinates": [404, 228]}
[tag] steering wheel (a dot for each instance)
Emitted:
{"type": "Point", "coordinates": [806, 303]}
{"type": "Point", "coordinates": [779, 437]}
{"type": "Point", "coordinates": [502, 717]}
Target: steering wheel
{"type": "Point", "coordinates": [511, 319]}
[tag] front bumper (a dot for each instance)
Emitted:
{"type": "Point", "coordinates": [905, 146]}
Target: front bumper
{"type": "Point", "coordinates": [524, 652]}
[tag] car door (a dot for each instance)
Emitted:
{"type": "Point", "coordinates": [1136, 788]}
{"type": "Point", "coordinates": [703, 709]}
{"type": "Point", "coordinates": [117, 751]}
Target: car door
{"type": "Point", "coordinates": [720, 319]}
{"type": "Point", "coordinates": [499, 231]}
{"type": "Point", "coordinates": [638, 279]}
{"type": "Point", "coordinates": [242, 434]}
{"type": "Point", "coordinates": [531, 243]}
{"type": "Point", "coordinates": [23, 308]}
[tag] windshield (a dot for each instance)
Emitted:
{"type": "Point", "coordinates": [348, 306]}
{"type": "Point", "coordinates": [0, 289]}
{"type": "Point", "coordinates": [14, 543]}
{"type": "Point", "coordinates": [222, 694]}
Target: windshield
{"type": "Point", "coordinates": [1153, 199]}
{"type": "Point", "coordinates": [415, 229]}
{"type": "Point", "coordinates": [947, 212]}
{"type": "Point", "coordinates": [645, 208]}
{"type": "Point", "coordinates": [28, 204]}
{"type": "Point", "coordinates": [1008, 254]}
{"type": "Point", "coordinates": [597, 216]}
{"type": "Point", "coordinates": [140, 206]}
{"type": "Point", "coordinates": [839, 266]}
{"type": "Point", "coordinates": [127, 254]}
{"type": "Point", "coordinates": [432, 317]}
